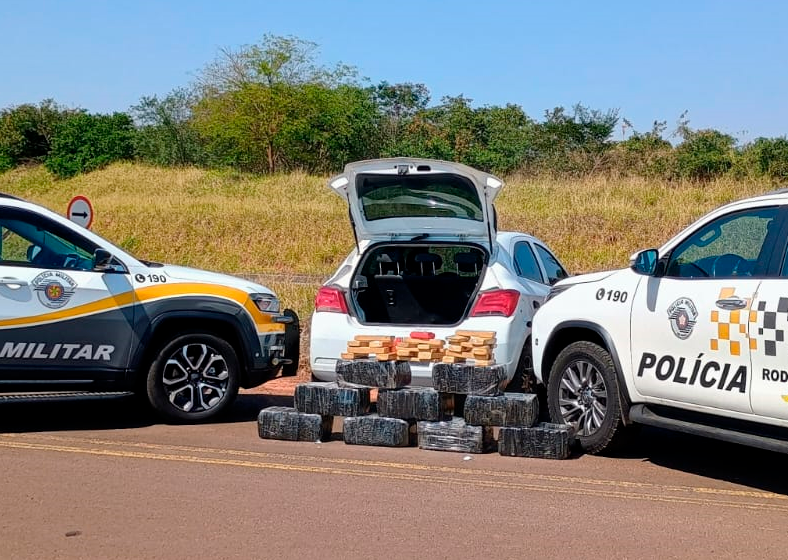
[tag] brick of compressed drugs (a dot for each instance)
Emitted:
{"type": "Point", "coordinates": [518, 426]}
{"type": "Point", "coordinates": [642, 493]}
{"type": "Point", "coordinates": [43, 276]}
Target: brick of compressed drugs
{"type": "Point", "coordinates": [283, 422]}
{"type": "Point", "coordinates": [543, 441]}
{"type": "Point", "coordinates": [467, 379]}
{"type": "Point", "coordinates": [509, 409]}
{"type": "Point", "coordinates": [375, 430]}
{"type": "Point", "coordinates": [455, 435]}
{"type": "Point", "coordinates": [422, 335]}
{"type": "Point", "coordinates": [415, 403]}
{"type": "Point", "coordinates": [390, 374]}
{"type": "Point", "coordinates": [484, 335]}
{"type": "Point", "coordinates": [371, 337]}
{"type": "Point", "coordinates": [329, 399]}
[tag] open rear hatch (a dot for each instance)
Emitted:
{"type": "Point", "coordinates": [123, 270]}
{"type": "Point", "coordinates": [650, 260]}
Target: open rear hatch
{"type": "Point", "coordinates": [415, 199]}
{"type": "Point", "coordinates": [417, 283]}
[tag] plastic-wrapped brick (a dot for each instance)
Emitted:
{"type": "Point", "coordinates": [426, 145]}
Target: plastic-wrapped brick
{"type": "Point", "coordinates": [282, 422]}
{"type": "Point", "coordinates": [468, 379]}
{"type": "Point", "coordinates": [375, 430]}
{"type": "Point", "coordinates": [543, 441]}
{"type": "Point", "coordinates": [329, 399]}
{"type": "Point", "coordinates": [509, 409]}
{"type": "Point", "coordinates": [415, 403]}
{"type": "Point", "coordinates": [455, 435]}
{"type": "Point", "coordinates": [371, 373]}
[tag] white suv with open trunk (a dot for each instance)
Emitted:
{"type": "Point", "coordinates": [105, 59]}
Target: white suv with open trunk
{"type": "Point", "coordinates": [428, 258]}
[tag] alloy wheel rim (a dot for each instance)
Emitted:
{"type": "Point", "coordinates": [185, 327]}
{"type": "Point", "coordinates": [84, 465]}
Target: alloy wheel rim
{"type": "Point", "coordinates": [582, 397]}
{"type": "Point", "coordinates": [196, 377]}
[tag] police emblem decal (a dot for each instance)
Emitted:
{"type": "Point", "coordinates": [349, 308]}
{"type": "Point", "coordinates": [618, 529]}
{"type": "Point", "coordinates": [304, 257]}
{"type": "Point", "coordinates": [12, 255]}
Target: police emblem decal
{"type": "Point", "coordinates": [682, 315]}
{"type": "Point", "coordinates": [54, 288]}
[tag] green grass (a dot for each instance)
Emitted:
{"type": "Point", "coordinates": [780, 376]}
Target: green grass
{"type": "Point", "coordinates": [292, 224]}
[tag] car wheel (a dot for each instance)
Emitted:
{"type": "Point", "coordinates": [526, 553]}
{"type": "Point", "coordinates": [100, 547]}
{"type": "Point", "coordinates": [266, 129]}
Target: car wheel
{"type": "Point", "coordinates": [583, 391]}
{"type": "Point", "coordinates": [193, 378]}
{"type": "Point", "coordinates": [292, 344]}
{"type": "Point", "coordinates": [524, 380]}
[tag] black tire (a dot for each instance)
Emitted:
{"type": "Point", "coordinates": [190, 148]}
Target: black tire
{"type": "Point", "coordinates": [596, 409]}
{"type": "Point", "coordinates": [524, 380]}
{"type": "Point", "coordinates": [292, 344]}
{"type": "Point", "coordinates": [217, 379]}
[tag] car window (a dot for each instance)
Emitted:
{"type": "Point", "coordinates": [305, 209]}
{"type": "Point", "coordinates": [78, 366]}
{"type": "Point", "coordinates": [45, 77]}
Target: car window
{"type": "Point", "coordinates": [525, 262]}
{"type": "Point", "coordinates": [738, 244]}
{"type": "Point", "coordinates": [440, 195]}
{"type": "Point", "coordinates": [552, 267]}
{"type": "Point", "coordinates": [27, 239]}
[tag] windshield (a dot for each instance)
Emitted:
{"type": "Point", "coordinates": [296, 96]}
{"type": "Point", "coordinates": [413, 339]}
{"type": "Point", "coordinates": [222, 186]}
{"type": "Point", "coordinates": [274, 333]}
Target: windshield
{"type": "Point", "coordinates": [439, 195]}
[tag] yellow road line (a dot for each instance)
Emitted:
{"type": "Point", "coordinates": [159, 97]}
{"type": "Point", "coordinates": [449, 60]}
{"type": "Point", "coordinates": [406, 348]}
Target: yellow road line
{"type": "Point", "coordinates": [443, 480]}
{"type": "Point", "coordinates": [411, 467]}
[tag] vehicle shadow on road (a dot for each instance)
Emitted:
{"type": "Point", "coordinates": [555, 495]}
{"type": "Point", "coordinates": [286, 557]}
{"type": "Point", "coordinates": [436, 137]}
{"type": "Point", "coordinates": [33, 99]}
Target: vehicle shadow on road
{"type": "Point", "coordinates": [113, 414]}
{"type": "Point", "coordinates": [738, 464]}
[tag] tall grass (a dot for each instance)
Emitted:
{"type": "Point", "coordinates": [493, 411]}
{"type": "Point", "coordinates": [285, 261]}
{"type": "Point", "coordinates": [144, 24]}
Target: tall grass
{"type": "Point", "coordinates": [292, 224]}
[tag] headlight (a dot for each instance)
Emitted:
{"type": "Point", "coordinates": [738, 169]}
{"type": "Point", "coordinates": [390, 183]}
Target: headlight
{"type": "Point", "coordinates": [555, 290]}
{"type": "Point", "coordinates": [266, 303]}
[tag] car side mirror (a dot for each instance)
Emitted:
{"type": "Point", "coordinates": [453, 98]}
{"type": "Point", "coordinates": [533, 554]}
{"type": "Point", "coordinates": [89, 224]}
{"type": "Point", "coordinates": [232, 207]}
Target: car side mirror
{"type": "Point", "coordinates": [644, 262]}
{"type": "Point", "coordinates": [102, 260]}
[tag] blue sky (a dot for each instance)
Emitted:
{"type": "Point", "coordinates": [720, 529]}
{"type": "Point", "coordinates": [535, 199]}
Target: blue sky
{"type": "Point", "coordinates": [725, 62]}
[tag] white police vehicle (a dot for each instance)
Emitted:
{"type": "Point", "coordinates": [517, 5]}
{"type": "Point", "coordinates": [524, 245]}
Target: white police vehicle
{"type": "Point", "coordinates": [691, 337]}
{"type": "Point", "coordinates": [79, 314]}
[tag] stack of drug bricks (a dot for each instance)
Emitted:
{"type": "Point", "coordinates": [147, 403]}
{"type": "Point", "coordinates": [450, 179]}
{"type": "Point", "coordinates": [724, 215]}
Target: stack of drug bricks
{"type": "Point", "coordinates": [399, 406]}
{"type": "Point", "coordinates": [406, 415]}
{"type": "Point", "coordinates": [312, 416]}
{"type": "Point", "coordinates": [474, 346]}
{"type": "Point", "coordinates": [487, 407]}
{"type": "Point", "coordinates": [420, 347]}
{"type": "Point", "coordinates": [380, 348]}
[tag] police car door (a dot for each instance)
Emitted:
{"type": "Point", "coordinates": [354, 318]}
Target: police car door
{"type": "Point", "coordinates": [59, 318]}
{"type": "Point", "coordinates": [691, 329]}
{"type": "Point", "coordinates": [769, 333]}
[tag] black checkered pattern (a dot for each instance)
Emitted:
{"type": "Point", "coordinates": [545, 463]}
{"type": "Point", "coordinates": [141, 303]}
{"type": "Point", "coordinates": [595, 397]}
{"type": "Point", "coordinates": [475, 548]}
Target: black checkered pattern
{"type": "Point", "coordinates": [768, 331]}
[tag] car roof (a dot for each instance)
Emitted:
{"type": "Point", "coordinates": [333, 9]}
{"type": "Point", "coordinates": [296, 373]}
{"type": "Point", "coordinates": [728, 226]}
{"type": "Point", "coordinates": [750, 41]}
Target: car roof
{"type": "Point", "coordinates": [779, 196]}
{"type": "Point", "coordinates": [504, 237]}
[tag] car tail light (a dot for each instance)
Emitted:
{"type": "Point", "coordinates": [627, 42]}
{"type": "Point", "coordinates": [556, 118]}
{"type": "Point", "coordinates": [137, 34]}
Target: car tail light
{"type": "Point", "coordinates": [496, 302]}
{"type": "Point", "coordinates": [331, 300]}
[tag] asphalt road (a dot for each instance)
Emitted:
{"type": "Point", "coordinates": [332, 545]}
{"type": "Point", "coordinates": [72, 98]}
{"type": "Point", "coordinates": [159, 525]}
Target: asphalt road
{"type": "Point", "coordinates": [105, 480]}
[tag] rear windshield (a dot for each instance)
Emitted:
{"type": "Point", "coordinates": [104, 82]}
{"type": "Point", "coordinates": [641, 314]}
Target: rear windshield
{"type": "Point", "coordinates": [418, 196]}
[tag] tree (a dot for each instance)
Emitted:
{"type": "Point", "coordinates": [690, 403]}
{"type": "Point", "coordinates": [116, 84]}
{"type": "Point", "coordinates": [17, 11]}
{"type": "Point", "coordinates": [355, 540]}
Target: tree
{"type": "Point", "coordinates": [645, 154]}
{"type": "Point", "coordinates": [704, 154]}
{"type": "Point", "coordinates": [398, 104]}
{"type": "Point", "coordinates": [166, 135]}
{"type": "Point", "coordinates": [251, 96]}
{"type": "Point", "coordinates": [85, 142]}
{"type": "Point", "coordinates": [574, 144]}
{"type": "Point", "coordinates": [766, 157]}
{"type": "Point", "coordinates": [26, 132]}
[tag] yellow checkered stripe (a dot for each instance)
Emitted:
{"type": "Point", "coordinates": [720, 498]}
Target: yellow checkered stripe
{"type": "Point", "coordinates": [733, 332]}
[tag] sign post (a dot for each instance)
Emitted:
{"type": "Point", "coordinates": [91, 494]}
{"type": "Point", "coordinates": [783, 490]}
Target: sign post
{"type": "Point", "coordinates": [80, 211]}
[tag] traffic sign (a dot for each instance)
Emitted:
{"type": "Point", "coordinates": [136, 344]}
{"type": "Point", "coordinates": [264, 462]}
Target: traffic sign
{"type": "Point", "coordinates": [80, 211]}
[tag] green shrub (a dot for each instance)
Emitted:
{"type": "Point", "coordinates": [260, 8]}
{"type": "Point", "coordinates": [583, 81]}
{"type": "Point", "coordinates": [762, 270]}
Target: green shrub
{"type": "Point", "coordinates": [765, 157]}
{"type": "Point", "coordinates": [26, 132]}
{"type": "Point", "coordinates": [86, 142]}
{"type": "Point", "coordinates": [704, 154]}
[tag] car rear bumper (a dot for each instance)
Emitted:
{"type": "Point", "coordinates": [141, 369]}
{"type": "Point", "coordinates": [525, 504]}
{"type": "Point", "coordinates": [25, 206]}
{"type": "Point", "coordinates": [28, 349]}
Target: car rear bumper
{"type": "Point", "coordinates": [330, 333]}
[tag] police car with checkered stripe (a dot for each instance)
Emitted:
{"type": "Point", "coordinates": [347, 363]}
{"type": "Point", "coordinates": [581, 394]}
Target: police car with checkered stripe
{"type": "Point", "coordinates": [85, 317]}
{"type": "Point", "coordinates": [692, 336]}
